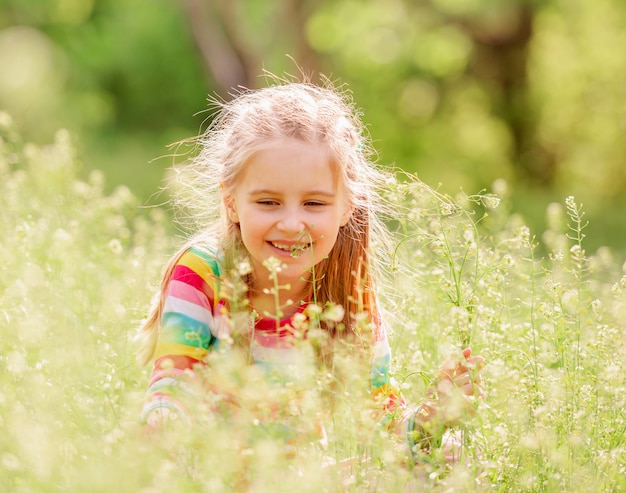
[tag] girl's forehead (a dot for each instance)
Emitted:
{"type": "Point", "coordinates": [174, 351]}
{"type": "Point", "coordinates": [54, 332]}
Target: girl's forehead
{"type": "Point", "coordinates": [290, 162]}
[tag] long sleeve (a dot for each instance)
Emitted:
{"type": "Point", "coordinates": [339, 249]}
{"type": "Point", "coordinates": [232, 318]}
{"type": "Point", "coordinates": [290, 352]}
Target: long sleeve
{"type": "Point", "coordinates": [189, 326]}
{"type": "Point", "coordinates": [384, 388]}
{"type": "Point", "coordinates": [398, 416]}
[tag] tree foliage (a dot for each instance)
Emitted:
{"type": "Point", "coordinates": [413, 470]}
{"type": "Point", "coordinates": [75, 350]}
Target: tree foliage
{"type": "Point", "coordinates": [462, 92]}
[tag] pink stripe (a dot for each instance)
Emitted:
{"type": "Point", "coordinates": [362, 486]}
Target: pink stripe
{"type": "Point", "coordinates": [267, 325]}
{"type": "Point", "coordinates": [189, 276]}
{"type": "Point", "coordinates": [267, 335]}
{"type": "Point", "coordinates": [172, 372]}
{"type": "Point", "coordinates": [188, 292]}
{"type": "Point", "coordinates": [179, 362]}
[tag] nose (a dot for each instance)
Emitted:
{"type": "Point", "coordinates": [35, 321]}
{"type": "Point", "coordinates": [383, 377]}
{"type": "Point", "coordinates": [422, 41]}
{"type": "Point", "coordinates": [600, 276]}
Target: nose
{"type": "Point", "coordinates": [291, 221]}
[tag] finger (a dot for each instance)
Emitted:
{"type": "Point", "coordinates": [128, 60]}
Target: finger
{"type": "Point", "coordinates": [476, 362]}
{"type": "Point", "coordinates": [473, 390]}
{"type": "Point", "coordinates": [471, 368]}
{"type": "Point", "coordinates": [458, 381]}
{"type": "Point", "coordinates": [466, 378]}
{"type": "Point", "coordinates": [447, 373]}
{"type": "Point", "coordinates": [445, 386]}
{"type": "Point", "coordinates": [453, 366]}
{"type": "Point", "coordinates": [450, 364]}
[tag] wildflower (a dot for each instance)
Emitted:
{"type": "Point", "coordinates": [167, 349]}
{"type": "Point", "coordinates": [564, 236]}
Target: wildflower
{"type": "Point", "coordinates": [620, 285]}
{"type": "Point", "coordinates": [543, 308]}
{"type": "Point", "coordinates": [508, 260]}
{"type": "Point", "coordinates": [557, 256]}
{"type": "Point", "coordinates": [333, 313]}
{"type": "Point", "coordinates": [415, 214]}
{"type": "Point", "coordinates": [524, 234]}
{"type": "Point", "coordinates": [447, 209]}
{"type": "Point", "coordinates": [313, 311]}
{"type": "Point", "coordinates": [596, 307]}
{"type": "Point", "coordinates": [115, 246]}
{"type": "Point", "coordinates": [244, 268]}
{"type": "Point", "coordinates": [576, 250]}
{"type": "Point", "coordinates": [273, 265]}
{"type": "Point", "coordinates": [569, 300]}
{"type": "Point", "coordinates": [236, 323]}
{"type": "Point", "coordinates": [491, 201]}
{"type": "Point", "coordinates": [435, 226]}
{"type": "Point", "coordinates": [439, 247]}
{"type": "Point", "coordinates": [468, 235]}
{"type": "Point", "coordinates": [612, 373]}
{"type": "Point", "coordinates": [300, 322]}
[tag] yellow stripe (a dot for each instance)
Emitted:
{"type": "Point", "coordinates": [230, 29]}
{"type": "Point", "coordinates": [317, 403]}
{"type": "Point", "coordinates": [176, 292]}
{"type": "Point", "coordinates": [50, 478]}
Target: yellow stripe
{"type": "Point", "coordinates": [384, 389]}
{"type": "Point", "coordinates": [200, 267]}
{"type": "Point", "coordinates": [175, 349]}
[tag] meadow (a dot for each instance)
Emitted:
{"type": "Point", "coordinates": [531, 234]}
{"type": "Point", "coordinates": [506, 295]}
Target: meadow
{"type": "Point", "coordinates": [80, 266]}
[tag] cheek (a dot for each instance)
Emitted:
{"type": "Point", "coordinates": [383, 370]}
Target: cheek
{"type": "Point", "coordinates": [251, 229]}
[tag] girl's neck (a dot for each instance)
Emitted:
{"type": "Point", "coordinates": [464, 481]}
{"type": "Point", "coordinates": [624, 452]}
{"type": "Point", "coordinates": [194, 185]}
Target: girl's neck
{"type": "Point", "coordinates": [285, 301]}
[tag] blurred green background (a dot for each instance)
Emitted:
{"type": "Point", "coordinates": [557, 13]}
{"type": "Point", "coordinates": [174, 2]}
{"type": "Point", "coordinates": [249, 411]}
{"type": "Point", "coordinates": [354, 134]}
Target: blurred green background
{"type": "Point", "coordinates": [529, 95]}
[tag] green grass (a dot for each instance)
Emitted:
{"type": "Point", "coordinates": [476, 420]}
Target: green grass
{"type": "Point", "coordinates": [79, 269]}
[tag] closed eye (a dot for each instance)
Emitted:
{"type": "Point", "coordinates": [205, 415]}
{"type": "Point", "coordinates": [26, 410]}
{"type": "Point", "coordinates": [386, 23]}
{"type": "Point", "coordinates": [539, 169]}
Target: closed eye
{"type": "Point", "coordinates": [314, 203]}
{"type": "Point", "coordinates": [268, 202]}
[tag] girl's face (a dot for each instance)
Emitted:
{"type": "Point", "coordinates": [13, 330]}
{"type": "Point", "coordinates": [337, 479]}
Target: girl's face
{"type": "Point", "coordinates": [290, 205]}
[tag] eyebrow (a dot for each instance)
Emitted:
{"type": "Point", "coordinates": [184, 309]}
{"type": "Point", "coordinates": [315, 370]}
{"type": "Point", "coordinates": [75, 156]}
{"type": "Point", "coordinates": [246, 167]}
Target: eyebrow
{"type": "Point", "coordinates": [267, 191]}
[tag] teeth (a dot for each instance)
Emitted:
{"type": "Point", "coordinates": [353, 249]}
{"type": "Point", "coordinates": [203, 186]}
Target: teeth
{"type": "Point", "coordinates": [291, 248]}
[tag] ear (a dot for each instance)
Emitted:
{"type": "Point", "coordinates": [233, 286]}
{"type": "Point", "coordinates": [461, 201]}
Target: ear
{"type": "Point", "coordinates": [231, 207]}
{"type": "Point", "coordinates": [347, 214]}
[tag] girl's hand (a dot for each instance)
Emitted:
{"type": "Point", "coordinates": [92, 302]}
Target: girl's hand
{"type": "Point", "coordinates": [462, 374]}
{"type": "Point", "coordinates": [454, 395]}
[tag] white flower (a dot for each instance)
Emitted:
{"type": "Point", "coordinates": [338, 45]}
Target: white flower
{"type": "Point", "coordinates": [500, 186]}
{"type": "Point", "coordinates": [333, 313]}
{"type": "Point", "coordinates": [468, 235]}
{"type": "Point", "coordinates": [244, 267]}
{"type": "Point", "coordinates": [313, 310]}
{"type": "Point", "coordinates": [299, 321]}
{"type": "Point", "coordinates": [273, 265]}
{"type": "Point", "coordinates": [596, 307]}
{"type": "Point", "coordinates": [116, 246]}
{"type": "Point", "coordinates": [491, 201]}
{"type": "Point", "coordinates": [524, 234]}
{"type": "Point", "coordinates": [447, 209]}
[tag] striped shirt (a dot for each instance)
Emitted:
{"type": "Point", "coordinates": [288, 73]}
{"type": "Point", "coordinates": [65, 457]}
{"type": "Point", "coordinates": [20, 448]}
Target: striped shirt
{"type": "Point", "coordinates": [194, 323]}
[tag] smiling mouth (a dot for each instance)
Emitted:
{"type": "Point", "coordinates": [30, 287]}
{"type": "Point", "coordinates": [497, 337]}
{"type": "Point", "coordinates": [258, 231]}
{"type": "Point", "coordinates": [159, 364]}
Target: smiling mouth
{"type": "Point", "coordinates": [294, 249]}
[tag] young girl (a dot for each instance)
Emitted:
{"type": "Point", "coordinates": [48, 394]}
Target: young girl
{"type": "Point", "coordinates": [283, 266]}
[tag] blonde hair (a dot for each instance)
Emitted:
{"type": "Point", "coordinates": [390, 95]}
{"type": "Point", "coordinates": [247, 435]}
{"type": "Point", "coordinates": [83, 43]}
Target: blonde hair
{"type": "Point", "coordinates": [319, 114]}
